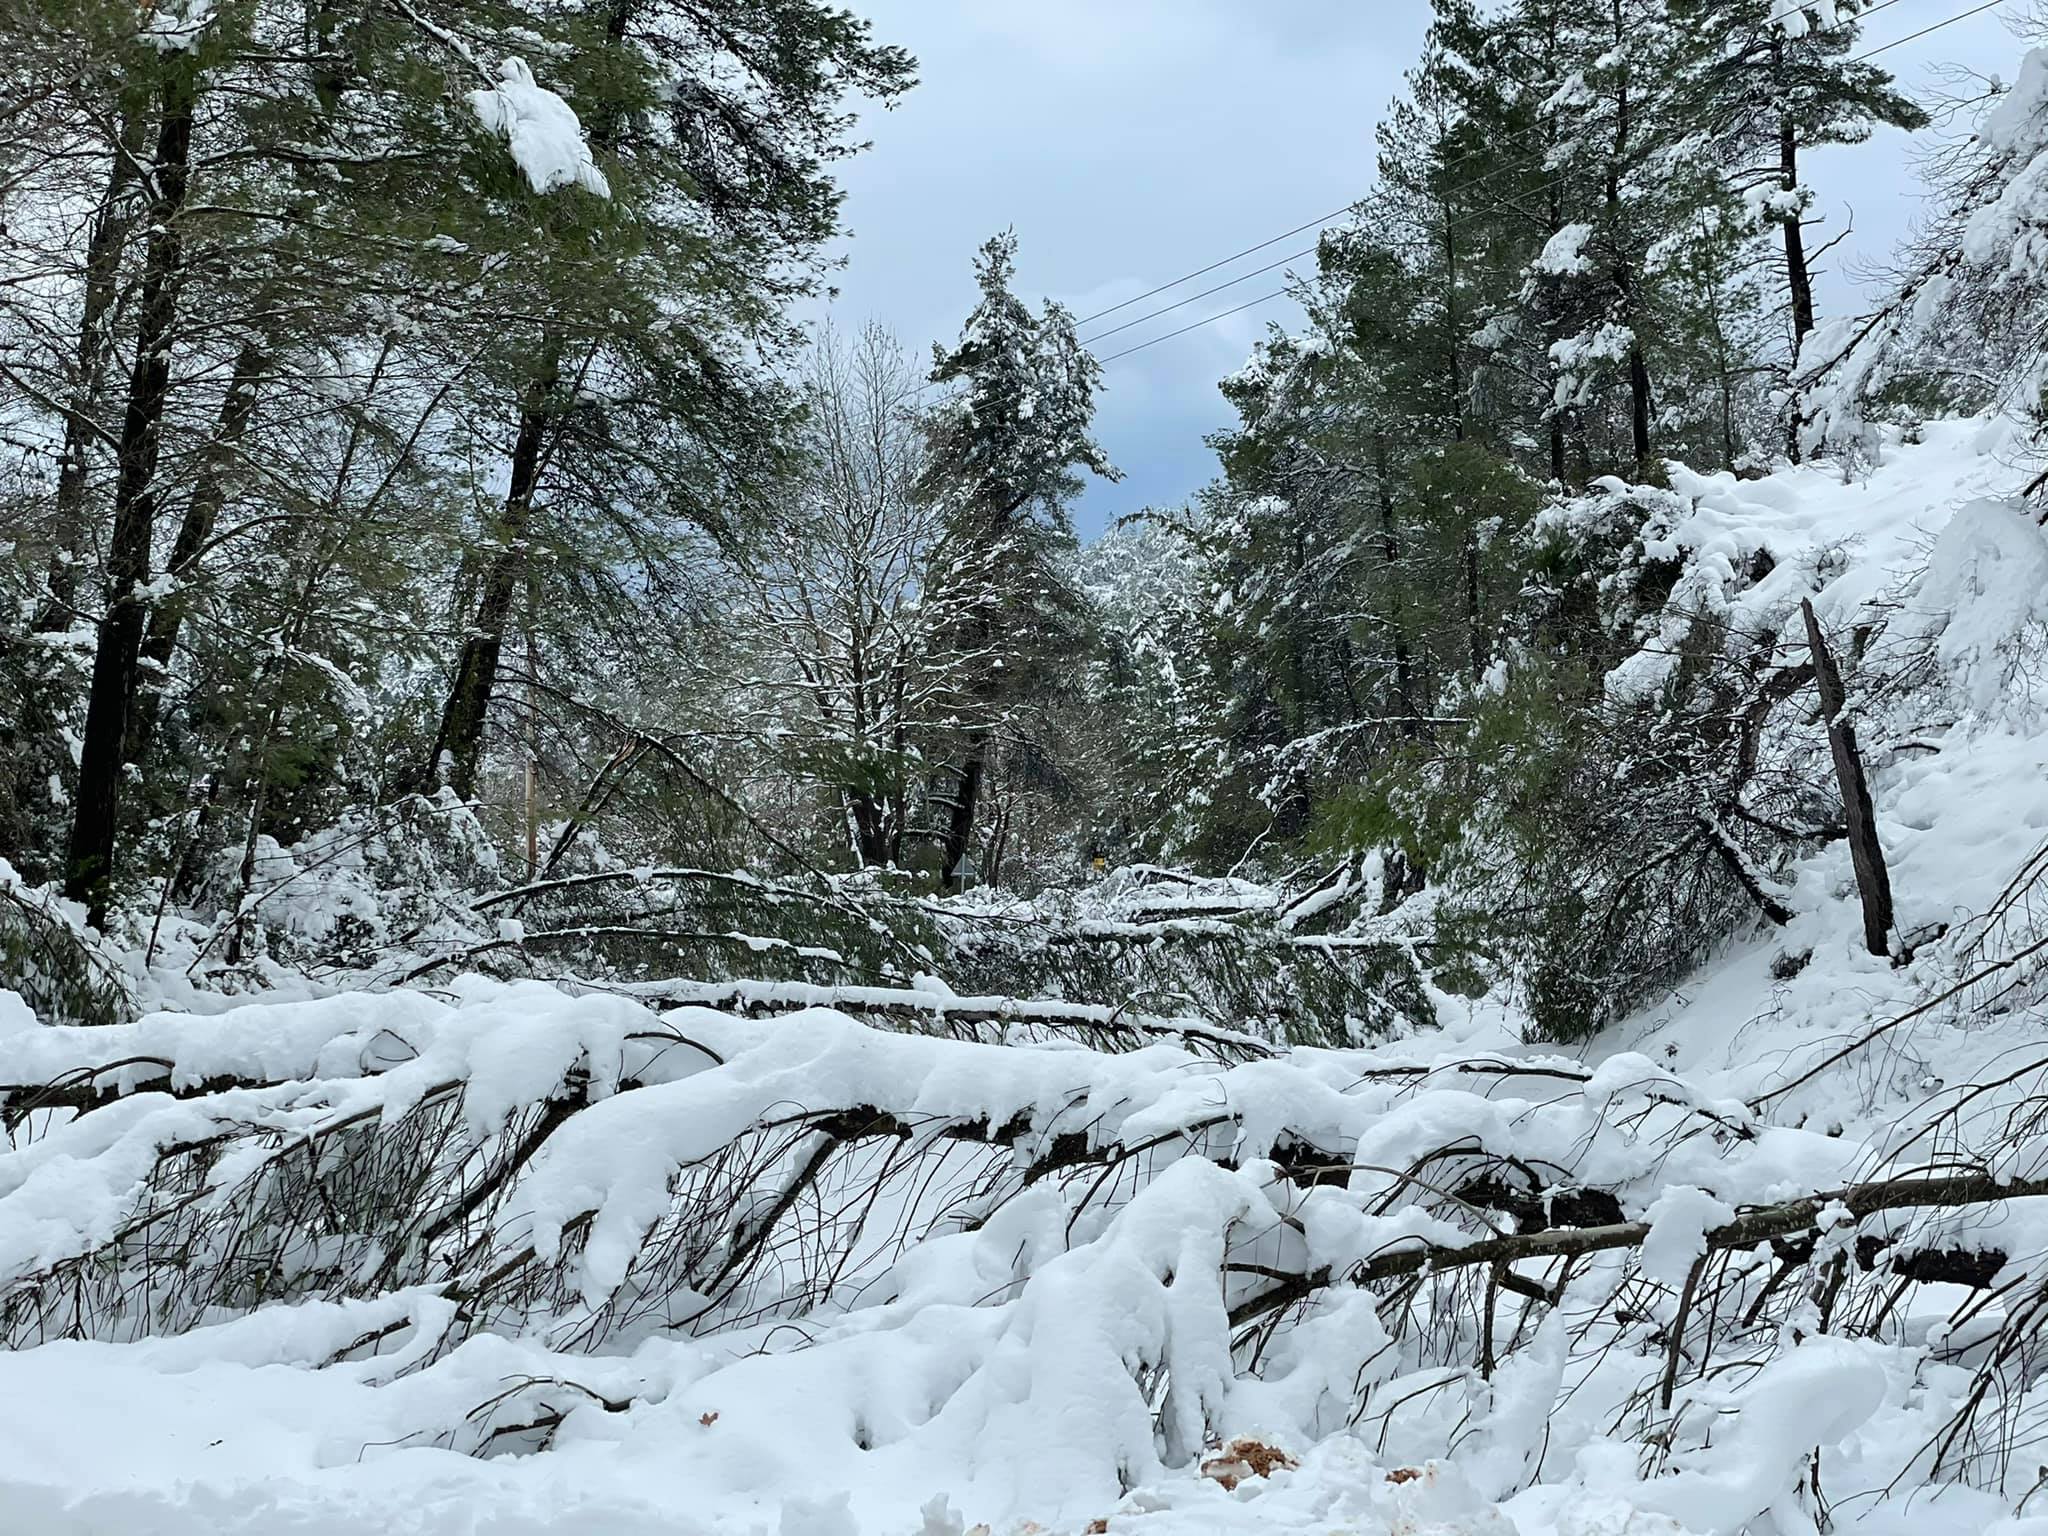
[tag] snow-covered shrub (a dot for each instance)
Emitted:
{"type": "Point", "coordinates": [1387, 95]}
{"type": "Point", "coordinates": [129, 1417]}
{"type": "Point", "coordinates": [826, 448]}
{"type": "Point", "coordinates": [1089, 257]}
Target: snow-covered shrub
{"type": "Point", "coordinates": [379, 878]}
{"type": "Point", "coordinates": [58, 967]}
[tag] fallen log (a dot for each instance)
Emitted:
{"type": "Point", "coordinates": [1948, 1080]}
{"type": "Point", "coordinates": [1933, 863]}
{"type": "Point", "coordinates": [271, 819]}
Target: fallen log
{"type": "Point", "coordinates": [1748, 1229]}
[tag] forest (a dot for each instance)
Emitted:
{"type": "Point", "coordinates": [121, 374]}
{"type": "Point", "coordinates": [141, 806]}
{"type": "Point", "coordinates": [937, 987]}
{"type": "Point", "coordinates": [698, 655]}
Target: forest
{"type": "Point", "coordinates": [611, 917]}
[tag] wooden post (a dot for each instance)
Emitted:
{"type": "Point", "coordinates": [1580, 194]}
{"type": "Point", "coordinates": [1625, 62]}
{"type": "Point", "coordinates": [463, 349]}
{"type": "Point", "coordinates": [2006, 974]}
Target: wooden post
{"type": "Point", "coordinates": [1873, 882]}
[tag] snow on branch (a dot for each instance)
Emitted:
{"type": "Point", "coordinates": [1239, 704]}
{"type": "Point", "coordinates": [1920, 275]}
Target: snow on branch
{"type": "Point", "coordinates": [542, 129]}
{"type": "Point", "coordinates": [1136, 1250]}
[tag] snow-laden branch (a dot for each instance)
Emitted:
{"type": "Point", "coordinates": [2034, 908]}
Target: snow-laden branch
{"type": "Point", "coordinates": [541, 129]}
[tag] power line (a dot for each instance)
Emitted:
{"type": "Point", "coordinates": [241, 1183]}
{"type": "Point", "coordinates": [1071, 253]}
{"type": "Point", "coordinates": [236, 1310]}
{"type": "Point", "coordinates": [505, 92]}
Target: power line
{"type": "Point", "coordinates": [1453, 164]}
{"type": "Point", "coordinates": [1478, 181]}
{"type": "Point", "coordinates": [1193, 297]}
{"type": "Point", "coordinates": [1188, 277]}
{"type": "Point", "coordinates": [1882, 5]}
{"type": "Point", "coordinates": [1277, 293]}
{"type": "Point", "coordinates": [1914, 37]}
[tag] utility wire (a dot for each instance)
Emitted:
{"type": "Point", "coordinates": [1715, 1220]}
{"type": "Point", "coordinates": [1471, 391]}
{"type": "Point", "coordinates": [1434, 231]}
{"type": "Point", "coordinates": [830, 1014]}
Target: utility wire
{"type": "Point", "coordinates": [1914, 37]}
{"type": "Point", "coordinates": [1450, 165]}
{"type": "Point", "coordinates": [1188, 277]}
{"type": "Point", "coordinates": [1090, 341]}
{"type": "Point", "coordinates": [1280, 293]}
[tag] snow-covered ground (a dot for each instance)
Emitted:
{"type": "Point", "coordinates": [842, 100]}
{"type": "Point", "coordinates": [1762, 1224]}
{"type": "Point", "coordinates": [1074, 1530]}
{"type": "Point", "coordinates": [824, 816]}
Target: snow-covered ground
{"type": "Point", "coordinates": [806, 1276]}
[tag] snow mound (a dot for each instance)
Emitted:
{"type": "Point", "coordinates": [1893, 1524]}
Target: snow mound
{"type": "Point", "coordinates": [1984, 598]}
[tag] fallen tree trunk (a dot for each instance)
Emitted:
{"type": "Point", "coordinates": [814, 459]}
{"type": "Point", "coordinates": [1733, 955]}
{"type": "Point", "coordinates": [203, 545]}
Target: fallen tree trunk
{"type": "Point", "coordinates": [1785, 1219]}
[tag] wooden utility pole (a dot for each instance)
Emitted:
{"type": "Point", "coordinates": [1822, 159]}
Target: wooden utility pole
{"type": "Point", "coordinates": [1873, 882]}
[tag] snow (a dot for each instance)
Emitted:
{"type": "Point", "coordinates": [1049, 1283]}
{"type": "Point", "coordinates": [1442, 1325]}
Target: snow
{"type": "Point", "coordinates": [16, 1017]}
{"type": "Point", "coordinates": [1564, 254]}
{"type": "Point", "coordinates": [1805, 1402]}
{"type": "Point", "coordinates": [541, 129]}
{"type": "Point", "coordinates": [1017, 1295]}
{"type": "Point", "coordinates": [994, 1366]}
{"type": "Point", "coordinates": [1679, 1220]}
{"type": "Point", "coordinates": [175, 26]}
{"type": "Point", "coordinates": [2011, 230]}
{"type": "Point", "coordinates": [1984, 596]}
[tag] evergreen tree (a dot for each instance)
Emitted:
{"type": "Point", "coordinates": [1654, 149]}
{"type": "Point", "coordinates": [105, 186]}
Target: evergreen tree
{"type": "Point", "coordinates": [288, 196]}
{"type": "Point", "coordinates": [1776, 82]}
{"type": "Point", "coordinates": [718, 123]}
{"type": "Point", "coordinates": [1007, 448]}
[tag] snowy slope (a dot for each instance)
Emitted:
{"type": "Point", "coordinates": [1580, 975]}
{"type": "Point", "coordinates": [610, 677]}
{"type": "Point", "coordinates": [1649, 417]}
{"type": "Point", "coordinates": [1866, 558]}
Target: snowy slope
{"type": "Point", "coordinates": [1929, 544]}
{"type": "Point", "coordinates": [1028, 1285]}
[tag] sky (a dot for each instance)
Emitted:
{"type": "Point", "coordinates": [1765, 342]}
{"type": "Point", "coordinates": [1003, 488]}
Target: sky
{"type": "Point", "coordinates": [1130, 141]}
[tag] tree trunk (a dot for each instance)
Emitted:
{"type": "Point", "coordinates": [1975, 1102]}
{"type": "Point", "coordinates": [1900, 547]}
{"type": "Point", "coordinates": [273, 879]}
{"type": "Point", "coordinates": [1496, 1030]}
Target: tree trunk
{"type": "Point", "coordinates": [1873, 881]}
{"type": "Point", "coordinates": [1638, 397]}
{"type": "Point", "coordinates": [1474, 618]}
{"type": "Point", "coordinates": [1396, 619]}
{"type": "Point", "coordinates": [116, 654]}
{"type": "Point", "coordinates": [102, 273]}
{"type": "Point", "coordinates": [871, 840]}
{"type": "Point", "coordinates": [458, 744]}
{"type": "Point", "coordinates": [966, 802]}
{"type": "Point", "coordinates": [201, 513]}
{"type": "Point", "coordinates": [1798, 279]}
{"type": "Point", "coordinates": [259, 803]}
{"type": "Point", "coordinates": [998, 842]}
{"type": "Point", "coordinates": [894, 802]}
{"type": "Point", "coordinates": [1554, 221]}
{"type": "Point", "coordinates": [1624, 272]}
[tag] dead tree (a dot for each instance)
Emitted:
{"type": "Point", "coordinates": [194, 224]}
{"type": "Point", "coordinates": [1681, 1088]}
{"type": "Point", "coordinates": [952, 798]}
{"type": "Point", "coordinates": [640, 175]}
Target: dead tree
{"type": "Point", "coordinates": [1873, 882]}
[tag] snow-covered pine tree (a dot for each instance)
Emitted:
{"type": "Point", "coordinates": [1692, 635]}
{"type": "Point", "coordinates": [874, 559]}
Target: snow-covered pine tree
{"type": "Point", "coordinates": [373, 208]}
{"type": "Point", "coordinates": [632, 361]}
{"type": "Point", "coordinates": [1775, 82]}
{"type": "Point", "coordinates": [1008, 446]}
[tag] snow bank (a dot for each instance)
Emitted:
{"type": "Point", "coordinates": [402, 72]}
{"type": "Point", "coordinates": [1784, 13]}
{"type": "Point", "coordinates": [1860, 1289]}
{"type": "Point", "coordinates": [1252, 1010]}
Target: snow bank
{"type": "Point", "coordinates": [1984, 598]}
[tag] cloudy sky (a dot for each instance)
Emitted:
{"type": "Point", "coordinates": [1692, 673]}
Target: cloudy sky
{"type": "Point", "coordinates": [1129, 141]}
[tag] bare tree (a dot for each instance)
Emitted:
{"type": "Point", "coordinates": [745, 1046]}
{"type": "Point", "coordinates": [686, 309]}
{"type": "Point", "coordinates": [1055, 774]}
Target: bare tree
{"type": "Point", "coordinates": [838, 607]}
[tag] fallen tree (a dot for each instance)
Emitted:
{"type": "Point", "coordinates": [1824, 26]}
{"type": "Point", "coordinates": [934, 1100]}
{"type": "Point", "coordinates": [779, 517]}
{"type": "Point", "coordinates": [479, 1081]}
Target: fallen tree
{"type": "Point", "coordinates": [576, 1176]}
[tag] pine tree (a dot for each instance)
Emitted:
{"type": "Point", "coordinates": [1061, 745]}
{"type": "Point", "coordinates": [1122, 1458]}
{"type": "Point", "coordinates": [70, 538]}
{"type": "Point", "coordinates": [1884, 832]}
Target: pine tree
{"type": "Point", "coordinates": [1586, 175]}
{"type": "Point", "coordinates": [322, 187]}
{"type": "Point", "coordinates": [717, 124]}
{"type": "Point", "coordinates": [1007, 448]}
{"type": "Point", "coordinates": [1776, 82]}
